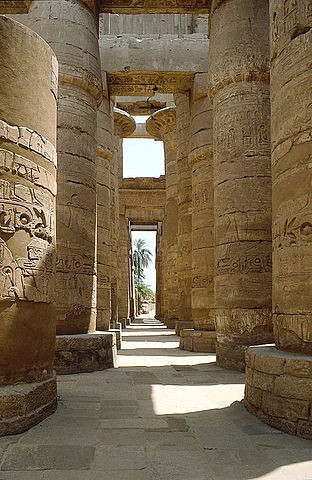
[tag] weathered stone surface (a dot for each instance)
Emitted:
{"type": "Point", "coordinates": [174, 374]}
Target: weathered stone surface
{"type": "Point", "coordinates": [282, 397]}
{"type": "Point", "coordinates": [239, 87]}
{"type": "Point", "coordinates": [27, 226]}
{"type": "Point", "coordinates": [23, 406]}
{"type": "Point", "coordinates": [201, 161]}
{"type": "Point", "coordinates": [105, 155]}
{"type": "Point", "coordinates": [198, 340]}
{"type": "Point", "coordinates": [85, 353]}
{"type": "Point", "coordinates": [291, 154]}
{"type": "Point", "coordinates": [148, 6]}
{"type": "Point", "coordinates": [75, 43]}
{"type": "Point", "coordinates": [184, 177]}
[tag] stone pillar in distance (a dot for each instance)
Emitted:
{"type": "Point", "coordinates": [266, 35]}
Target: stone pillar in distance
{"type": "Point", "coordinates": [203, 337]}
{"type": "Point", "coordinates": [279, 380]}
{"type": "Point", "coordinates": [105, 156]}
{"type": "Point", "coordinates": [162, 125]}
{"type": "Point", "coordinates": [71, 29]}
{"type": "Point", "coordinates": [124, 125]}
{"type": "Point", "coordinates": [238, 82]}
{"type": "Point", "coordinates": [184, 178]}
{"type": "Point", "coordinates": [27, 227]}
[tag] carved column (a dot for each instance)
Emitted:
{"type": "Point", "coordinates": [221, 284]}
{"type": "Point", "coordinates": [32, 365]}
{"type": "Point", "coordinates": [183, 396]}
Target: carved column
{"type": "Point", "coordinates": [289, 369]}
{"type": "Point", "coordinates": [160, 283]}
{"type": "Point", "coordinates": [27, 227]}
{"type": "Point", "coordinates": [124, 126]}
{"type": "Point", "coordinates": [239, 88]}
{"type": "Point", "coordinates": [105, 155]}
{"type": "Point", "coordinates": [184, 177]}
{"type": "Point", "coordinates": [203, 337]}
{"type": "Point", "coordinates": [70, 28]}
{"type": "Point", "coordinates": [162, 125]}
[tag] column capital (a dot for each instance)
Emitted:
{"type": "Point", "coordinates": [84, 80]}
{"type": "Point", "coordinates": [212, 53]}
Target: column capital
{"type": "Point", "coordinates": [124, 124]}
{"type": "Point", "coordinates": [239, 44]}
{"type": "Point", "coordinates": [162, 123]}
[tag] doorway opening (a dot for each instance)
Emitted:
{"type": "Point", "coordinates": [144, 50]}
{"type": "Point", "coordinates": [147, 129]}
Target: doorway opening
{"type": "Point", "coordinates": [143, 241]}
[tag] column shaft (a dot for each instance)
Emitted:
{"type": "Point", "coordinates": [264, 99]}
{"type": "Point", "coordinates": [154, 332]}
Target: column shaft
{"type": "Point", "coordinates": [291, 95]}
{"type": "Point", "coordinates": [184, 176]}
{"type": "Point", "coordinates": [70, 28]}
{"type": "Point", "coordinates": [239, 88]}
{"type": "Point", "coordinates": [105, 155]}
{"type": "Point", "coordinates": [27, 227]}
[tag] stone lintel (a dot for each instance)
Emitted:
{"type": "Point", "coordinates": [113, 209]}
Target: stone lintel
{"type": "Point", "coordinates": [162, 122]}
{"type": "Point", "coordinates": [124, 124]}
{"type": "Point", "coordinates": [198, 340]}
{"type": "Point", "coordinates": [85, 353]}
{"type": "Point", "coordinates": [25, 405]}
{"type": "Point", "coordinates": [151, 6]}
{"type": "Point", "coordinates": [279, 389]}
{"type": "Point", "coordinates": [139, 83]}
{"type": "Point", "coordinates": [143, 183]}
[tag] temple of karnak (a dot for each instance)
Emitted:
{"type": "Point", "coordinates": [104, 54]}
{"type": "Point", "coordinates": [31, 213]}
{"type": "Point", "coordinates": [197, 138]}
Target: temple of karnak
{"type": "Point", "coordinates": [227, 86]}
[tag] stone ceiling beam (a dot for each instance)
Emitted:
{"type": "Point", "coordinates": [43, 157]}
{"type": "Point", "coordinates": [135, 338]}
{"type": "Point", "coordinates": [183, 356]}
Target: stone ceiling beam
{"type": "Point", "coordinates": [147, 83]}
{"type": "Point", "coordinates": [148, 6]}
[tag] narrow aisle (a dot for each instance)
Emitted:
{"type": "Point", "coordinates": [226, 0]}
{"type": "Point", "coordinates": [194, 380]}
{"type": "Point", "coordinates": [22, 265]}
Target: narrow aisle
{"type": "Point", "coordinates": [164, 414]}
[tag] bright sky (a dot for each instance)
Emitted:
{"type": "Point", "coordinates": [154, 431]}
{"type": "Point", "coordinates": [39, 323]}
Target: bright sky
{"type": "Point", "coordinates": [144, 158]}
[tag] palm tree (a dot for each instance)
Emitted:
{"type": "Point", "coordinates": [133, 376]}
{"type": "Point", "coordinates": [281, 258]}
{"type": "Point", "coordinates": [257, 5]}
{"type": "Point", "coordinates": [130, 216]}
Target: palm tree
{"type": "Point", "coordinates": [142, 257]}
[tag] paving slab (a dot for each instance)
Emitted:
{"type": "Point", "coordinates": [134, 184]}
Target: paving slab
{"type": "Point", "coordinates": [164, 414]}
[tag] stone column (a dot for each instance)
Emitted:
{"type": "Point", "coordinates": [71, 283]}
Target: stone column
{"type": "Point", "coordinates": [184, 177]}
{"type": "Point", "coordinates": [239, 89]}
{"type": "Point", "coordinates": [124, 243]}
{"type": "Point", "coordinates": [162, 125]}
{"type": "Point", "coordinates": [105, 155]}
{"type": "Point", "coordinates": [124, 126]}
{"type": "Point", "coordinates": [27, 227]}
{"type": "Point", "coordinates": [70, 28]}
{"type": "Point", "coordinates": [203, 337]}
{"type": "Point", "coordinates": [279, 382]}
{"type": "Point", "coordinates": [160, 284]}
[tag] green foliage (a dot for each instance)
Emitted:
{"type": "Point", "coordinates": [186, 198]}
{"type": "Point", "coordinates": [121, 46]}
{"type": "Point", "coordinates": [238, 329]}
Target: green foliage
{"type": "Point", "coordinates": [142, 257]}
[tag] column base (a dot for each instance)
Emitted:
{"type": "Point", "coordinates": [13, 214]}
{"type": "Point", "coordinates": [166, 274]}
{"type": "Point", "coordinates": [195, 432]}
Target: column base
{"type": "Point", "coordinates": [203, 341]}
{"type": "Point", "coordinates": [124, 322]}
{"type": "Point", "coordinates": [117, 332]}
{"type": "Point", "coordinates": [170, 323]}
{"type": "Point", "coordinates": [24, 405]}
{"type": "Point", "coordinates": [85, 353]}
{"type": "Point", "coordinates": [182, 324]}
{"type": "Point", "coordinates": [231, 356]}
{"type": "Point", "coordinates": [279, 389]}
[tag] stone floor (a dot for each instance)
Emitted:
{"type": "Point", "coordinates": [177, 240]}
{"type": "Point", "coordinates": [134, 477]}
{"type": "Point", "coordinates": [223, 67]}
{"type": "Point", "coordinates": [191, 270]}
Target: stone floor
{"type": "Point", "coordinates": [164, 414]}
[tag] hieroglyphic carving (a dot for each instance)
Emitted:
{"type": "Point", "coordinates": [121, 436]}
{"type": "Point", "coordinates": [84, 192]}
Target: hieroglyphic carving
{"type": "Point", "coordinates": [296, 227]}
{"type": "Point", "coordinates": [29, 139]}
{"type": "Point", "coordinates": [147, 83]}
{"type": "Point", "coordinates": [244, 265]}
{"type": "Point", "coordinates": [74, 264]}
{"type": "Point", "coordinates": [244, 129]}
{"type": "Point", "coordinates": [150, 6]}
